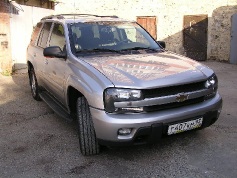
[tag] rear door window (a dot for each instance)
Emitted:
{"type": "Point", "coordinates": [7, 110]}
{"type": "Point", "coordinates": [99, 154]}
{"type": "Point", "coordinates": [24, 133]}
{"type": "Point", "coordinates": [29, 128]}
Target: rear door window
{"type": "Point", "coordinates": [57, 37]}
{"type": "Point", "coordinates": [44, 35]}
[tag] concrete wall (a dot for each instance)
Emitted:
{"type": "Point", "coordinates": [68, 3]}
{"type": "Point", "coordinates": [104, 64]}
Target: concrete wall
{"type": "Point", "coordinates": [21, 26]}
{"type": "Point", "coordinates": [169, 15]}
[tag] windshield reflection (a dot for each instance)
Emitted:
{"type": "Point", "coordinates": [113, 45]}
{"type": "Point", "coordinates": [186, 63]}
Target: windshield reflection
{"type": "Point", "coordinates": [109, 37]}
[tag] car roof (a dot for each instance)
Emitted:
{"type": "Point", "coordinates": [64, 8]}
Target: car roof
{"type": "Point", "coordinates": [72, 18]}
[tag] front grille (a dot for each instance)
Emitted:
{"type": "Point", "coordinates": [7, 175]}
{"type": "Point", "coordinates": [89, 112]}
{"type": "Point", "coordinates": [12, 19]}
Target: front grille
{"type": "Point", "coordinates": [173, 105]}
{"type": "Point", "coordinates": [173, 90]}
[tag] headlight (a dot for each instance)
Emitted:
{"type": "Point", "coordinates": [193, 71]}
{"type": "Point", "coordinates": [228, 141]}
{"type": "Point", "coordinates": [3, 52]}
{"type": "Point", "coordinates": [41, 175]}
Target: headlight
{"type": "Point", "coordinates": [112, 95]}
{"type": "Point", "coordinates": [212, 83]}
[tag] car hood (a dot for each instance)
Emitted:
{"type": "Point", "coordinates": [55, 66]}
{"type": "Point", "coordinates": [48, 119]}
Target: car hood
{"type": "Point", "coordinates": [149, 70]}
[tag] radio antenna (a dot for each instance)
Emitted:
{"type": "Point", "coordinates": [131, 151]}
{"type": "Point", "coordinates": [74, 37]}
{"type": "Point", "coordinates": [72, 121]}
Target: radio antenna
{"type": "Point", "coordinates": [74, 10]}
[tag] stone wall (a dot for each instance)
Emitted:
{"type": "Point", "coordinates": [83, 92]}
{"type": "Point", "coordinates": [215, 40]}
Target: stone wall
{"type": "Point", "coordinates": [220, 36]}
{"type": "Point", "coordinates": [5, 45]}
{"type": "Point", "coordinates": [170, 14]}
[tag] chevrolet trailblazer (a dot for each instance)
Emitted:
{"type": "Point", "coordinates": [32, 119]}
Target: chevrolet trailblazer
{"type": "Point", "coordinates": [121, 86]}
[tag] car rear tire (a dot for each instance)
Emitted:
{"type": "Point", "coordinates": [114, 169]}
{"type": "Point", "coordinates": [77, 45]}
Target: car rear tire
{"type": "Point", "coordinates": [87, 137]}
{"type": "Point", "coordinates": [34, 85]}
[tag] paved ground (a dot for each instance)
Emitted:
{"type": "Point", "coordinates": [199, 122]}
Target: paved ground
{"type": "Point", "coordinates": [35, 142]}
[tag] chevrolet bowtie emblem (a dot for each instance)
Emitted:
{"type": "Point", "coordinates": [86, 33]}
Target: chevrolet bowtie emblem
{"type": "Point", "coordinates": [182, 97]}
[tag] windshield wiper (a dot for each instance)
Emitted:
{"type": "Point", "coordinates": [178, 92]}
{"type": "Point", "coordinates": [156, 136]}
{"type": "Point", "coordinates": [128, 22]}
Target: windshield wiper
{"type": "Point", "coordinates": [98, 50]}
{"type": "Point", "coordinates": [139, 48]}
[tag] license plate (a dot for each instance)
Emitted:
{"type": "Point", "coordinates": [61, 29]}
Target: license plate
{"type": "Point", "coordinates": [185, 126]}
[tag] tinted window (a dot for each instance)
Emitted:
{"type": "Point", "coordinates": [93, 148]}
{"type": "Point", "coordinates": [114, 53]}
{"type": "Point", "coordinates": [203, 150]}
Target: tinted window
{"type": "Point", "coordinates": [57, 38]}
{"type": "Point", "coordinates": [35, 33]}
{"type": "Point", "coordinates": [44, 35]}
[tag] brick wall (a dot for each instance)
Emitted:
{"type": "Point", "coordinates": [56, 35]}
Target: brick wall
{"type": "Point", "coordinates": [170, 14]}
{"type": "Point", "coordinates": [5, 46]}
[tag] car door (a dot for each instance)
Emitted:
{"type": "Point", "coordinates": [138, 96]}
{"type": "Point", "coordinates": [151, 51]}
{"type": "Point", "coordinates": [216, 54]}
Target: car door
{"type": "Point", "coordinates": [55, 67]}
{"type": "Point", "coordinates": [39, 59]}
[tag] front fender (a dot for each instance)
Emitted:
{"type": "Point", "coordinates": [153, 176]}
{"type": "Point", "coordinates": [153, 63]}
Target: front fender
{"type": "Point", "coordinates": [90, 83]}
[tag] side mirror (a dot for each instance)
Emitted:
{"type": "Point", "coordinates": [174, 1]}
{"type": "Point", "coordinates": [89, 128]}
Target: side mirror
{"type": "Point", "coordinates": [162, 44]}
{"type": "Point", "coordinates": [54, 51]}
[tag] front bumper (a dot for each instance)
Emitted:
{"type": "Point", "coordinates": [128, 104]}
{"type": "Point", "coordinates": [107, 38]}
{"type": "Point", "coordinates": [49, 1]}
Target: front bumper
{"type": "Point", "coordinates": [150, 127]}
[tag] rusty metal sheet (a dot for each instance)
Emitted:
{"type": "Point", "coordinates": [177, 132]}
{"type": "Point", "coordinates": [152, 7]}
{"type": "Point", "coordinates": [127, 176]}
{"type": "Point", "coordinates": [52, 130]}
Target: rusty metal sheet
{"type": "Point", "coordinates": [195, 36]}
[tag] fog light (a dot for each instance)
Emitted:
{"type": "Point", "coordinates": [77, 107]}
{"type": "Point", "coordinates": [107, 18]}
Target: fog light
{"type": "Point", "coordinates": [124, 131]}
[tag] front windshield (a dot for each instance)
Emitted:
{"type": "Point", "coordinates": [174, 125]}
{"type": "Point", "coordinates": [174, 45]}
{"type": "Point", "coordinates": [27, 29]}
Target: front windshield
{"type": "Point", "coordinates": [111, 36]}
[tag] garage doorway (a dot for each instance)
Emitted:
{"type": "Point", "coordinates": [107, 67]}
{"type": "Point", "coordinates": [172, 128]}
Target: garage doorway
{"type": "Point", "coordinates": [149, 23]}
{"type": "Point", "coordinates": [233, 43]}
{"type": "Point", "coordinates": [195, 36]}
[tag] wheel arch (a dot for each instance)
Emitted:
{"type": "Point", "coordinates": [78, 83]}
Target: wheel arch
{"type": "Point", "coordinates": [72, 96]}
{"type": "Point", "coordinates": [29, 65]}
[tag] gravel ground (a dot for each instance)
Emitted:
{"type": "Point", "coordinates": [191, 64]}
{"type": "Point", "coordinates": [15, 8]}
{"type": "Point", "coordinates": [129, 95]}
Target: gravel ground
{"type": "Point", "coordinates": [35, 142]}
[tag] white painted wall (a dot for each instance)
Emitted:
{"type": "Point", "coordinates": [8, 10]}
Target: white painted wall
{"type": "Point", "coordinates": [21, 26]}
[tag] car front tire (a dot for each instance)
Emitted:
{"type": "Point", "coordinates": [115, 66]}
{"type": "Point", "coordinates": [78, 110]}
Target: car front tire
{"type": "Point", "coordinates": [87, 137]}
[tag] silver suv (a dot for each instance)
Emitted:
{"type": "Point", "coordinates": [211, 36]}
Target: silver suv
{"type": "Point", "coordinates": [121, 86]}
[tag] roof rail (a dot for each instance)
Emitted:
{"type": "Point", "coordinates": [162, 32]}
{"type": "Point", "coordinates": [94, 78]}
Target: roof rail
{"type": "Point", "coordinates": [62, 16]}
{"type": "Point", "coordinates": [59, 16]}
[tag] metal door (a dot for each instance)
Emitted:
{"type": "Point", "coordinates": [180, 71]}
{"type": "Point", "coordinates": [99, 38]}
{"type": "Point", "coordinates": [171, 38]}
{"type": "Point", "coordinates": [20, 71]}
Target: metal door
{"type": "Point", "coordinates": [149, 23]}
{"type": "Point", "coordinates": [233, 44]}
{"type": "Point", "coordinates": [195, 36]}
